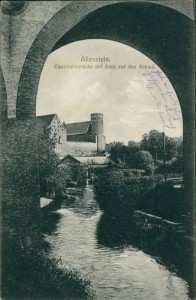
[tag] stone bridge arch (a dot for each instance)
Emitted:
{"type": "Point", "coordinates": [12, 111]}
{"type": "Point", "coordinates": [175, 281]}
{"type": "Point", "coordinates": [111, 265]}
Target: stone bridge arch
{"type": "Point", "coordinates": [149, 28]}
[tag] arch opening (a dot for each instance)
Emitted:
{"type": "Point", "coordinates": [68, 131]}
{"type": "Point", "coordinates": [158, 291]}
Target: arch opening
{"type": "Point", "coordinates": [132, 92]}
{"type": "Point", "coordinates": [132, 26]}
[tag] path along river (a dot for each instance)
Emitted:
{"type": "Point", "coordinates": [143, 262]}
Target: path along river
{"type": "Point", "coordinates": [119, 271]}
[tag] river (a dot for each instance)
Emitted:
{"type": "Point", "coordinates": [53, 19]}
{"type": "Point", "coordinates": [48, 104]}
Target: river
{"type": "Point", "coordinates": [117, 269]}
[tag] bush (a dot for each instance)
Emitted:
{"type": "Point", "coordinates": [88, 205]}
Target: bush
{"type": "Point", "coordinates": [28, 272]}
{"type": "Point", "coordinates": [163, 200]}
{"type": "Point", "coordinates": [137, 172]}
{"type": "Point", "coordinates": [175, 165]}
{"type": "Point", "coordinates": [143, 159]}
{"type": "Point", "coordinates": [159, 163]}
{"type": "Point", "coordinates": [118, 191]}
{"type": "Point", "coordinates": [149, 170]}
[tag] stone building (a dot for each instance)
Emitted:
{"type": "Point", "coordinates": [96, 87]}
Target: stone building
{"type": "Point", "coordinates": [86, 138]}
{"type": "Point", "coordinates": [57, 132]}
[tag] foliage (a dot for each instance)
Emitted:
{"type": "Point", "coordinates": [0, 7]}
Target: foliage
{"type": "Point", "coordinates": [153, 142]}
{"type": "Point", "coordinates": [124, 154]}
{"type": "Point", "coordinates": [71, 173]}
{"type": "Point", "coordinates": [164, 200]}
{"type": "Point", "coordinates": [28, 273]}
{"type": "Point", "coordinates": [149, 169]}
{"type": "Point", "coordinates": [54, 177]}
{"type": "Point", "coordinates": [143, 159]}
{"type": "Point", "coordinates": [48, 162]}
{"type": "Point", "coordinates": [158, 163]}
{"type": "Point", "coordinates": [131, 152]}
{"type": "Point", "coordinates": [117, 152]}
{"type": "Point", "coordinates": [117, 191]}
{"type": "Point", "coordinates": [175, 165]}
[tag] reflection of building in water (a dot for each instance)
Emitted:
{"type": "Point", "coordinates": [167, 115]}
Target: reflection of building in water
{"type": "Point", "coordinates": [86, 138]}
{"type": "Point", "coordinates": [57, 132]}
{"type": "Point", "coordinates": [77, 139]}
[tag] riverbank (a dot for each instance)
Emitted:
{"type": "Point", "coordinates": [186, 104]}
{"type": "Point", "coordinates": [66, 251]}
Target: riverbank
{"type": "Point", "coordinates": [104, 248]}
{"type": "Point", "coordinates": [27, 269]}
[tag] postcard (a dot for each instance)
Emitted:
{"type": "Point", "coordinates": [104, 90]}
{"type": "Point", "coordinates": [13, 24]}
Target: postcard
{"type": "Point", "coordinates": [97, 143]}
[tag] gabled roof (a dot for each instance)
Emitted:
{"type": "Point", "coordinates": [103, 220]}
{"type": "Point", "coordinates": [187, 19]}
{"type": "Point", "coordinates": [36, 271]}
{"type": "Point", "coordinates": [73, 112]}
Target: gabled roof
{"type": "Point", "coordinates": [93, 160]}
{"type": "Point", "coordinates": [44, 121]}
{"type": "Point", "coordinates": [78, 128]}
{"type": "Point", "coordinates": [68, 156]}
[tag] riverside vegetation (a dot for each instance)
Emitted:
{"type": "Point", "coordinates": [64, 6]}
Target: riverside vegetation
{"type": "Point", "coordinates": [134, 178]}
{"type": "Point", "coordinates": [28, 271]}
{"type": "Point", "coordinates": [120, 191]}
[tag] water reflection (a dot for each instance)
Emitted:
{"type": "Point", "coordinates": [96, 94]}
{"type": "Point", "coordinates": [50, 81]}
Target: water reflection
{"type": "Point", "coordinates": [81, 201]}
{"type": "Point", "coordinates": [49, 222]}
{"type": "Point", "coordinates": [113, 231]}
{"type": "Point", "coordinates": [119, 262]}
{"type": "Point", "coordinates": [119, 232]}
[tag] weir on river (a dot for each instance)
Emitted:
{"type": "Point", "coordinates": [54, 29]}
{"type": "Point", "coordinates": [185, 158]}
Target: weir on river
{"type": "Point", "coordinates": [88, 241]}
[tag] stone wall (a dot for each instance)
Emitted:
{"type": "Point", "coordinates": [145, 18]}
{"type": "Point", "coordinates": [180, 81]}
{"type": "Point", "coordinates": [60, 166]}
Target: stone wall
{"type": "Point", "coordinates": [153, 225]}
{"type": "Point", "coordinates": [81, 148]}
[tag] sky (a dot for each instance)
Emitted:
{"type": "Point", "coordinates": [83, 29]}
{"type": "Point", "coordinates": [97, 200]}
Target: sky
{"type": "Point", "coordinates": [132, 99]}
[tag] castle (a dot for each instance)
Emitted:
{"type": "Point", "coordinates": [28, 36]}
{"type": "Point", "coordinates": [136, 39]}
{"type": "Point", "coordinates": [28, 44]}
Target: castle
{"type": "Point", "coordinates": [86, 138]}
{"type": "Point", "coordinates": [77, 139]}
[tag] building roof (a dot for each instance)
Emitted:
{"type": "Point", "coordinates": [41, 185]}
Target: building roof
{"type": "Point", "coordinates": [78, 128]}
{"type": "Point", "coordinates": [44, 121]}
{"type": "Point", "coordinates": [68, 156]}
{"type": "Point", "coordinates": [93, 160]}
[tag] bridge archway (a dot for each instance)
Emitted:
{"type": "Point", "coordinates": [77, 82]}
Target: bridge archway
{"type": "Point", "coordinates": [130, 24]}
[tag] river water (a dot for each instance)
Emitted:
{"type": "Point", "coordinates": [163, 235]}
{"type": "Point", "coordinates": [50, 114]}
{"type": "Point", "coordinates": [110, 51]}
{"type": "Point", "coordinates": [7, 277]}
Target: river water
{"type": "Point", "coordinates": [117, 269]}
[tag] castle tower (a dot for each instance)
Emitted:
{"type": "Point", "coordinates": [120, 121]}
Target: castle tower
{"type": "Point", "coordinates": [97, 130]}
{"type": "Point", "coordinates": [97, 124]}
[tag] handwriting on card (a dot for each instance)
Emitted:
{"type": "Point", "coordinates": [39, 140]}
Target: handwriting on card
{"type": "Point", "coordinates": [167, 104]}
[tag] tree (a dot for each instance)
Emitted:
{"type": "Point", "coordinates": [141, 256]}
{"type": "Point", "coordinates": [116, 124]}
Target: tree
{"type": "Point", "coordinates": [125, 154]}
{"type": "Point", "coordinates": [48, 162]}
{"type": "Point", "coordinates": [131, 151]}
{"type": "Point", "coordinates": [153, 142]}
{"type": "Point", "coordinates": [143, 159]}
{"type": "Point", "coordinates": [117, 151]}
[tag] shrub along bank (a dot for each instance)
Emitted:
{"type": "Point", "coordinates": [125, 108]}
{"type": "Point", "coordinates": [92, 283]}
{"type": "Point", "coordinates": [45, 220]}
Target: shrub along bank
{"type": "Point", "coordinates": [164, 200]}
{"type": "Point", "coordinates": [120, 191]}
{"type": "Point", "coordinates": [28, 272]}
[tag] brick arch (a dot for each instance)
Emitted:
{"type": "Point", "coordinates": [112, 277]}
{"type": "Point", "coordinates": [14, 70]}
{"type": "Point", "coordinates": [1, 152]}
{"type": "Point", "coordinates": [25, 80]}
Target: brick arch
{"type": "Point", "coordinates": [138, 25]}
{"type": "Point", "coordinates": [54, 35]}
